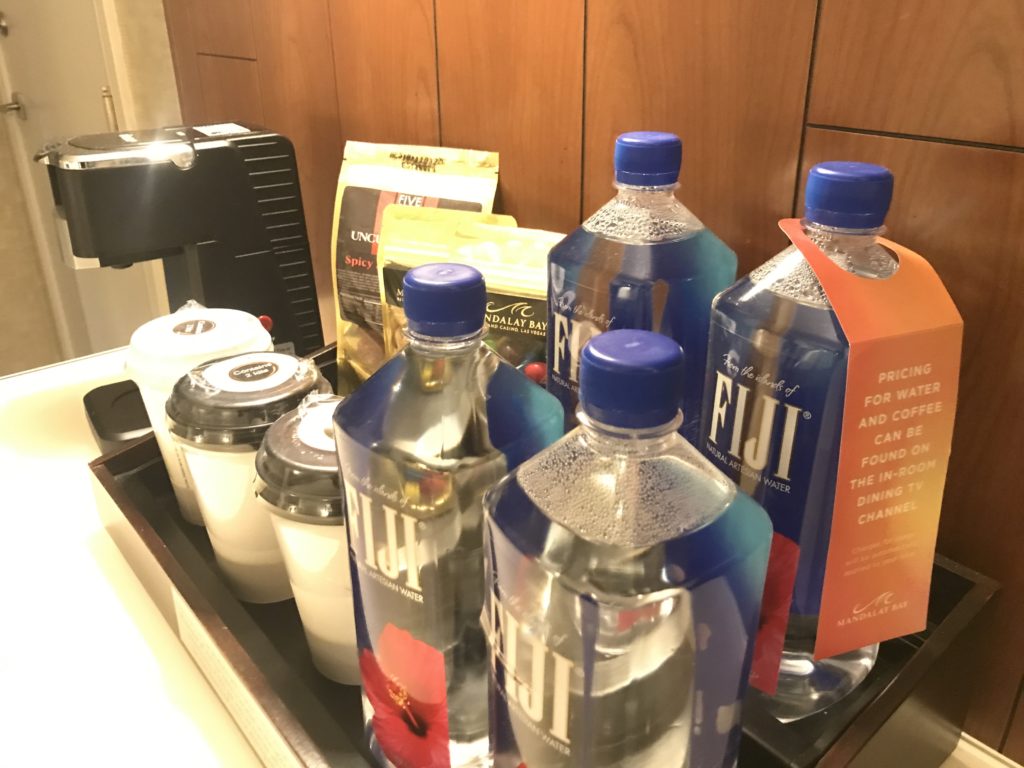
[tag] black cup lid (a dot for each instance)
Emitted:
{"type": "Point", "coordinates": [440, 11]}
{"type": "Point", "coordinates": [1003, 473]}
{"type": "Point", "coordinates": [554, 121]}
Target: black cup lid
{"type": "Point", "coordinates": [297, 463]}
{"type": "Point", "coordinates": [233, 401]}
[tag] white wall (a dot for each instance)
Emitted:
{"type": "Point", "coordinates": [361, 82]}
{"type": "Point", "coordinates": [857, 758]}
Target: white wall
{"type": "Point", "coordinates": [28, 333]}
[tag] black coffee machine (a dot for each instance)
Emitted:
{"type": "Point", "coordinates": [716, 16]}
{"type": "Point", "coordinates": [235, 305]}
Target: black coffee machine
{"type": "Point", "coordinates": [220, 205]}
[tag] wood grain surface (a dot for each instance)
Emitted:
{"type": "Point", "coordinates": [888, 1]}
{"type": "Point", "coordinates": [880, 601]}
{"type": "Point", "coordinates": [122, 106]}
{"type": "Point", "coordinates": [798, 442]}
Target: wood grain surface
{"type": "Point", "coordinates": [224, 27]}
{"type": "Point", "coordinates": [730, 78]}
{"type": "Point", "coordinates": [231, 90]}
{"type": "Point", "coordinates": [296, 72]}
{"type": "Point", "coordinates": [385, 70]}
{"type": "Point", "coordinates": [511, 80]}
{"type": "Point", "coordinates": [953, 69]}
{"type": "Point", "coordinates": [962, 208]}
{"type": "Point", "coordinates": [186, 65]}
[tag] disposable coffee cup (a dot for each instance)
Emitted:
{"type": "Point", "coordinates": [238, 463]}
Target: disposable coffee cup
{"type": "Point", "coordinates": [165, 349]}
{"type": "Point", "coordinates": [218, 414]}
{"type": "Point", "coordinates": [299, 485]}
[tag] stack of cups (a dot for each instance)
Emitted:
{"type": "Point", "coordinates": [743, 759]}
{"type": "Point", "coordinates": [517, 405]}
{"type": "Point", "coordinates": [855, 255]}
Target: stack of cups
{"type": "Point", "coordinates": [218, 414]}
{"type": "Point", "coordinates": [299, 485]}
{"type": "Point", "coordinates": [165, 349]}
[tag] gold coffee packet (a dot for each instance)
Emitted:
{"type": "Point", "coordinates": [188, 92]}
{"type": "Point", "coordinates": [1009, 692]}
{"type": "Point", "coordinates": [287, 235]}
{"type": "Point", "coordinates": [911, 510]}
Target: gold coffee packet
{"type": "Point", "coordinates": [372, 178]}
{"type": "Point", "coordinates": [512, 260]}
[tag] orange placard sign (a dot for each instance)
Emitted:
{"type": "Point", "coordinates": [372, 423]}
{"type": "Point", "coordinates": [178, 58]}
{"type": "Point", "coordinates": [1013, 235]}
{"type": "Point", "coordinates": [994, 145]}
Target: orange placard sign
{"type": "Point", "coordinates": [905, 336]}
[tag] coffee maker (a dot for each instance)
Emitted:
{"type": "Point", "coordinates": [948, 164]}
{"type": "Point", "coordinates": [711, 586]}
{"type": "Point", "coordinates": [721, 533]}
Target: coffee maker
{"type": "Point", "coordinates": [219, 205]}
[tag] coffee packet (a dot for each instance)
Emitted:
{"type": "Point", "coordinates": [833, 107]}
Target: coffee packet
{"type": "Point", "coordinates": [512, 260]}
{"type": "Point", "coordinates": [373, 177]}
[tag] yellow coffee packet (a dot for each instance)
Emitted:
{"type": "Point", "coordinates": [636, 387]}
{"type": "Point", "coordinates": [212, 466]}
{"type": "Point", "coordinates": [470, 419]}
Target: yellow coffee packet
{"type": "Point", "coordinates": [512, 260]}
{"type": "Point", "coordinates": [372, 178]}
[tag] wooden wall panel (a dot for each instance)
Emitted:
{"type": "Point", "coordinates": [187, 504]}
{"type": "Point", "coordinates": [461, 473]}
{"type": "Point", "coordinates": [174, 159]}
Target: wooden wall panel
{"type": "Point", "coordinates": [730, 77]}
{"type": "Point", "coordinates": [296, 72]}
{"type": "Point", "coordinates": [186, 66]}
{"type": "Point", "coordinates": [231, 90]}
{"type": "Point", "coordinates": [952, 69]}
{"type": "Point", "coordinates": [224, 27]}
{"type": "Point", "coordinates": [385, 70]}
{"type": "Point", "coordinates": [963, 209]}
{"type": "Point", "coordinates": [511, 80]}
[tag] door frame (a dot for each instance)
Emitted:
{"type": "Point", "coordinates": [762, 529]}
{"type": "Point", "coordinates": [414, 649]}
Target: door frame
{"type": "Point", "coordinates": [62, 292]}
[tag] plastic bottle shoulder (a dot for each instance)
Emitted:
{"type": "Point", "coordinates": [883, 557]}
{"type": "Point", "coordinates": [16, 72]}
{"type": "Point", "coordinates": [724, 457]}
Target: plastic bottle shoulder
{"type": "Point", "coordinates": [616, 495]}
{"type": "Point", "coordinates": [449, 407]}
{"type": "Point", "coordinates": [789, 274]}
{"type": "Point", "coordinates": [637, 217]}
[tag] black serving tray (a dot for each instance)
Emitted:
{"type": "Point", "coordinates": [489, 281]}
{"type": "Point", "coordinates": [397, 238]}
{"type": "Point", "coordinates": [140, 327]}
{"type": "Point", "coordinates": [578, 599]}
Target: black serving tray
{"type": "Point", "coordinates": [910, 710]}
{"type": "Point", "coordinates": [261, 646]}
{"type": "Point", "coordinates": [908, 713]}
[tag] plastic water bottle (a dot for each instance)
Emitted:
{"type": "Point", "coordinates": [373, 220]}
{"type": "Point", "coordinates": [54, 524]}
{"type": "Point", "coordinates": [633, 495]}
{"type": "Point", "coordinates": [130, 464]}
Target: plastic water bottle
{"type": "Point", "coordinates": [777, 325]}
{"type": "Point", "coordinates": [624, 576]}
{"type": "Point", "coordinates": [419, 443]}
{"type": "Point", "coordinates": [641, 261]}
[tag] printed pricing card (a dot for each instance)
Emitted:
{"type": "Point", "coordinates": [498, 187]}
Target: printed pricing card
{"type": "Point", "coordinates": [905, 336]}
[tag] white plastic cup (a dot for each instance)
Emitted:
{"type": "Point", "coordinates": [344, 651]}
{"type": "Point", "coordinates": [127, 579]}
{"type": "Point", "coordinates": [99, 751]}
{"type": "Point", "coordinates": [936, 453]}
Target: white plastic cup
{"type": "Point", "coordinates": [316, 557]}
{"type": "Point", "coordinates": [239, 527]}
{"type": "Point", "coordinates": [165, 349]}
{"type": "Point", "coordinates": [218, 415]}
{"type": "Point", "coordinates": [299, 484]}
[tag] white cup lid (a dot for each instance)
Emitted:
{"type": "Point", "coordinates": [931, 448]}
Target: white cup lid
{"type": "Point", "coordinates": [166, 348]}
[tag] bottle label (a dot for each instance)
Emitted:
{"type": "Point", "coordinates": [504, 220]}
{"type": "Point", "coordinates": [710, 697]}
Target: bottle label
{"type": "Point", "coordinates": [575, 318]}
{"type": "Point", "coordinates": [883, 468]}
{"type": "Point", "coordinates": [596, 284]}
{"type": "Point", "coordinates": [905, 338]}
{"type": "Point", "coordinates": [383, 543]}
{"type": "Point", "coordinates": [530, 683]}
{"type": "Point", "coordinates": [766, 428]}
{"type": "Point", "coordinates": [400, 633]}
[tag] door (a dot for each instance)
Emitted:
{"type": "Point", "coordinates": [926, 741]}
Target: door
{"type": "Point", "coordinates": [55, 56]}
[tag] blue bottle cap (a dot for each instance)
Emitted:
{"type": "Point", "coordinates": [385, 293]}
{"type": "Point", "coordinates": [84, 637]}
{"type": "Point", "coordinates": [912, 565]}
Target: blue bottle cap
{"type": "Point", "coordinates": [850, 195]}
{"type": "Point", "coordinates": [631, 379]}
{"type": "Point", "coordinates": [648, 158]}
{"type": "Point", "coordinates": [444, 300]}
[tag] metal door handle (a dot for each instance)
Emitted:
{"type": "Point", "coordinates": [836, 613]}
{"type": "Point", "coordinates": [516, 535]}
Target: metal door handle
{"type": "Point", "coordinates": [108, 108]}
{"type": "Point", "coordinates": [14, 105]}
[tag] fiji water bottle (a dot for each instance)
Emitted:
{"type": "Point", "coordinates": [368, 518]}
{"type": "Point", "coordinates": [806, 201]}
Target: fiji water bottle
{"type": "Point", "coordinates": [773, 415]}
{"type": "Point", "coordinates": [642, 261]}
{"type": "Point", "coordinates": [623, 582]}
{"type": "Point", "coordinates": [419, 443]}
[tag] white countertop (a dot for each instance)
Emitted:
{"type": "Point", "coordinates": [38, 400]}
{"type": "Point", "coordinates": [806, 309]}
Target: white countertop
{"type": "Point", "coordinates": [90, 673]}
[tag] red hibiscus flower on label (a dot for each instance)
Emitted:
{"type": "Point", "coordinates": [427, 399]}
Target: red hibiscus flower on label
{"type": "Point", "coordinates": [778, 594]}
{"type": "Point", "coordinates": [405, 683]}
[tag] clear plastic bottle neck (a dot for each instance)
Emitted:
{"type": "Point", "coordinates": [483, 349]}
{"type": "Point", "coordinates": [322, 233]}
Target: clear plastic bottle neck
{"type": "Point", "coordinates": [865, 236]}
{"type": "Point", "coordinates": [855, 250]}
{"type": "Point", "coordinates": [637, 192]}
{"type": "Point", "coordinates": [633, 441]}
{"type": "Point", "coordinates": [444, 345]}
